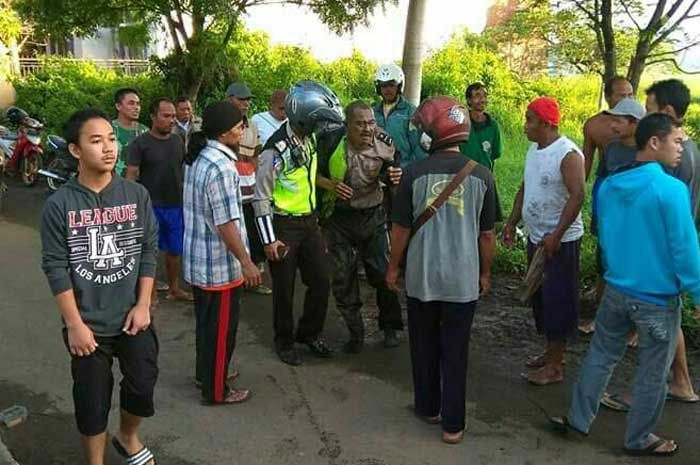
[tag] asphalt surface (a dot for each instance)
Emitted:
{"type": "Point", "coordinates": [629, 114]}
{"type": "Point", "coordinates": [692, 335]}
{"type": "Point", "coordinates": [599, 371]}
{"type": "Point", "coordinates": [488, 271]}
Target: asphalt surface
{"type": "Point", "coordinates": [350, 410]}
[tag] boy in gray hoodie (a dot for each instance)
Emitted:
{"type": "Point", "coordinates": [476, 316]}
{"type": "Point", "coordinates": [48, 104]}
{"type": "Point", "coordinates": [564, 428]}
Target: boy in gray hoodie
{"type": "Point", "coordinates": [99, 238]}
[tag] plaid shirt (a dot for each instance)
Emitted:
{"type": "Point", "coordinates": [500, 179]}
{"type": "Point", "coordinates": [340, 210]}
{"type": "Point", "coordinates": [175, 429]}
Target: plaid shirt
{"type": "Point", "coordinates": [212, 197]}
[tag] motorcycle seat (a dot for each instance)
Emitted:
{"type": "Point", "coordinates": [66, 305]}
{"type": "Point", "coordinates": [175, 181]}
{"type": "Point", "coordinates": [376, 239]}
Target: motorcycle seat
{"type": "Point", "coordinates": [57, 142]}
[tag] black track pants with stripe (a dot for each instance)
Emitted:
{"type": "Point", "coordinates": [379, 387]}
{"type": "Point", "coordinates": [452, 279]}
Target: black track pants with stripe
{"type": "Point", "coordinates": [217, 314]}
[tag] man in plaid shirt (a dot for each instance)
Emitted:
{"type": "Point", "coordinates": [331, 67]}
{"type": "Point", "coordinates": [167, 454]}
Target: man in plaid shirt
{"type": "Point", "coordinates": [216, 259]}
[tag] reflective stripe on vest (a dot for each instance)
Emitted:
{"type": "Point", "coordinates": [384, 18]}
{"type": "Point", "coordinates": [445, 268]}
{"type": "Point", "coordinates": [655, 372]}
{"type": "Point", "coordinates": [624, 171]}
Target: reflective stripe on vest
{"type": "Point", "coordinates": [295, 191]}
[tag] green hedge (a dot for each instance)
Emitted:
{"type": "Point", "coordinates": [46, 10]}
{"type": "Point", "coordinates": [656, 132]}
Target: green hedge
{"type": "Point", "coordinates": [61, 87]}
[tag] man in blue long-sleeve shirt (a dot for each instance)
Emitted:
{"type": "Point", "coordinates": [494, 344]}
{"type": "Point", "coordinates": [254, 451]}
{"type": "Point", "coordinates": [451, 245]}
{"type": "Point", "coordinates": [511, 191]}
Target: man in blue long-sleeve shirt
{"type": "Point", "coordinates": [645, 274]}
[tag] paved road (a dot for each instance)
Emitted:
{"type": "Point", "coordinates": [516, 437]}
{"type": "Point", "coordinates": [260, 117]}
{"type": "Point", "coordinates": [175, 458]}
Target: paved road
{"type": "Point", "coordinates": [352, 410]}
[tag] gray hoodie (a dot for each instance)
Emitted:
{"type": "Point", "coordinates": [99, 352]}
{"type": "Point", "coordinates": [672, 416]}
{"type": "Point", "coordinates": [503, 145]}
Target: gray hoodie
{"type": "Point", "coordinates": [99, 245]}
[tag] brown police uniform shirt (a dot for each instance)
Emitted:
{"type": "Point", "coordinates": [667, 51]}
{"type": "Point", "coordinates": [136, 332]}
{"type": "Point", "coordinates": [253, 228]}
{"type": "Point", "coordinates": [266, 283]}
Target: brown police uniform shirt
{"type": "Point", "coordinates": [364, 169]}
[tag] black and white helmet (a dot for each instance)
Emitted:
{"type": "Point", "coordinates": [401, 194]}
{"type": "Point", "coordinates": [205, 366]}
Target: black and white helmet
{"type": "Point", "coordinates": [312, 108]}
{"type": "Point", "coordinates": [388, 73]}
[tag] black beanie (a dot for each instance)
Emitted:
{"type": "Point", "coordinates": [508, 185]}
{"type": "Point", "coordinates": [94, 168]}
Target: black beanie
{"type": "Point", "coordinates": [219, 117]}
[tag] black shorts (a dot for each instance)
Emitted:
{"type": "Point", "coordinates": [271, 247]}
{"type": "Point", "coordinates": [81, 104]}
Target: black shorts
{"type": "Point", "coordinates": [93, 380]}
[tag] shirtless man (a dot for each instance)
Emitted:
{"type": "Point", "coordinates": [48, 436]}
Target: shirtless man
{"type": "Point", "coordinates": [597, 134]}
{"type": "Point", "coordinates": [597, 131]}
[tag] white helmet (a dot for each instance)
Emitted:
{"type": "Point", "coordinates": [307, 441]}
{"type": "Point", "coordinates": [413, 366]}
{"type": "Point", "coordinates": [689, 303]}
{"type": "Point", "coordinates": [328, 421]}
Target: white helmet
{"type": "Point", "coordinates": [389, 72]}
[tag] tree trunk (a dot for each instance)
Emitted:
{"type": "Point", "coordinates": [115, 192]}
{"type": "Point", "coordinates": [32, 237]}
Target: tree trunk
{"type": "Point", "coordinates": [13, 46]}
{"type": "Point", "coordinates": [413, 50]}
{"type": "Point", "coordinates": [638, 62]}
{"type": "Point", "coordinates": [609, 50]}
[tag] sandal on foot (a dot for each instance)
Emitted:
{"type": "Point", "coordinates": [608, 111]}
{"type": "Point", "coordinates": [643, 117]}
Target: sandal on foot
{"type": "Point", "coordinates": [537, 361]}
{"type": "Point", "coordinates": [691, 399]}
{"type": "Point", "coordinates": [539, 378]}
{"type": "Point", "coordinates": [652, 449]}
{"type": "Point", "coordinates": [142, 457]}
{"type": "Point", "coordinates": [614, 402]}
{"type": "Point", "coordinates": [436, 420]}
{"type": "Point", "coordinates": [234, 396]}
{"type": "Point", "coordinates": [562, 425]}
{"type": "Point", "coordinates": [452, 438]}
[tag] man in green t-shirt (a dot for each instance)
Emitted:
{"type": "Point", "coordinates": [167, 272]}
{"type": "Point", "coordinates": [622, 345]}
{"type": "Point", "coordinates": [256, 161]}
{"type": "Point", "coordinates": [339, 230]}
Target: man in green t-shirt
{"type": "Point", "coordinates": [484, 143]}
{"type": "Point", "coordinates": [126, 125]}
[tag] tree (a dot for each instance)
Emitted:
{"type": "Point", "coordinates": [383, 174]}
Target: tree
{"type": "Point", "coordinates": [13, 34]}
{"type": "Point", "coordinates": [598, 35]}
{"type": "Point", "coordinates": [198, 29]}
{"type": "Point", "coordinates": [413, 50]}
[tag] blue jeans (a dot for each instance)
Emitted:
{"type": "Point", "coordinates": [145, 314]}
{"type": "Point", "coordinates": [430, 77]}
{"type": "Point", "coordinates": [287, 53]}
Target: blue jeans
{"type": "Point", "coordinates": [657, 327]}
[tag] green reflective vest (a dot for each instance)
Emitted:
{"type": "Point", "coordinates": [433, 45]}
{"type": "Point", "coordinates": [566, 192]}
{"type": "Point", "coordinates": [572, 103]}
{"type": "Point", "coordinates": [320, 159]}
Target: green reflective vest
{"type": "Point", "coordinates": [295, 189]}
{"type": "Point", "coordinates": [337, 167]}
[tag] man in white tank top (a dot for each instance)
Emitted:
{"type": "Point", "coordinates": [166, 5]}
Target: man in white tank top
{"type": "Point", "coordinates": [549, 203]}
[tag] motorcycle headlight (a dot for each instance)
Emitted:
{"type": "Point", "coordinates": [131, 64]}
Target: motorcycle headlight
{"type": "Point", "coordinates": [34, 138]}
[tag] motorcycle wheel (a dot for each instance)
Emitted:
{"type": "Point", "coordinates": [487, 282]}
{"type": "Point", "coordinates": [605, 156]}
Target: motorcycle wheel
{"type": "Point", "coordinates": [29, 169]}
{"type": "Point", "coordinates": [54, 167]}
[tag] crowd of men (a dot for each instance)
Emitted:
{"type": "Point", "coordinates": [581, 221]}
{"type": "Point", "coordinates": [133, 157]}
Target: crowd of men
{"type": "Point", "coordinates": [390, 189]}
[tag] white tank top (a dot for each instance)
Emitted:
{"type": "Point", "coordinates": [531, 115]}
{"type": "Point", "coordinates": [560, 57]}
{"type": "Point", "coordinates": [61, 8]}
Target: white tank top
{"type": "Point", "coordinates": [545, 192]}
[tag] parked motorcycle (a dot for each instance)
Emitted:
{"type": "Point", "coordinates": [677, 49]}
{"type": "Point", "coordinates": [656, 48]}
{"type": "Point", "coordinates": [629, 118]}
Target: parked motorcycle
{"type": "Point", "coordinates": [61, 166]}
{"type": "Point", "coordinates": [21, 150]}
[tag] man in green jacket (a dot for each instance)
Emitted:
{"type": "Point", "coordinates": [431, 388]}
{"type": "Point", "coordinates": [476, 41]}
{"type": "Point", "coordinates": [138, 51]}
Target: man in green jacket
{"type": "Point", "coordinates": [394, 112]}
{"type": "Point", "coordinates": [484, 143]}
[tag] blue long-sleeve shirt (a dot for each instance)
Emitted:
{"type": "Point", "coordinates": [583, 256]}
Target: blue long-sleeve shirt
{"type": "Point", "coordinates": [647, 235]}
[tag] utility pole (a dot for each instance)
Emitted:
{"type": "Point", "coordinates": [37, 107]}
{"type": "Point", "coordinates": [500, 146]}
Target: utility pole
{"type": "Point", "coordinates": [413, 50]}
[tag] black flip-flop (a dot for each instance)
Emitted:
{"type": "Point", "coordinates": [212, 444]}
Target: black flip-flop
{"type": "Point", "coordinates": [141, 457]}
{"type": "Point", "coordinates": [562, 425]}
{"type": "Point", "coordinates": [650, 450]}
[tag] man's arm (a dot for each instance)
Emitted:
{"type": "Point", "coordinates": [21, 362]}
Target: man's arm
{"type": "Point", "coordinates": [589, 147]}
{"type": "Point", "coordinates": [56, 266]}
{"type": "Point", "coordinates": [682, 240]}
{"type": "Point", "coordinates": [516, 215]}
{"type": "Point", "coordinates": [487, 235]}
{"type": "Point", "coordinates": [262, 204]}
{"type": "Point", "coordinates": [402, 222]}
{"type": "Point", "coordinates": [400, 236]}
{"type": "Point", "coordinates": [497, 147]}
{"type": "Point", "coordinates": [572, 171]}
{"type": "Point", "coordinates": [231, 236]}
{"type": "Point", "coordinates": [487, 251]}
{"type": "Point", "coordinates": [225, 212]}
{"type": "Point", "coordinates": [139, 317]}
{"type": "Point", "coordinates": [134, 160]}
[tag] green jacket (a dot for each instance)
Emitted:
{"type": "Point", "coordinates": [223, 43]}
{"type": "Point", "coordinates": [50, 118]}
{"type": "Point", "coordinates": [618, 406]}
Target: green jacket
{"type": "Point", "coordinates": [397, 125]}
{"type": "Point", "coordinates": [484, 144]}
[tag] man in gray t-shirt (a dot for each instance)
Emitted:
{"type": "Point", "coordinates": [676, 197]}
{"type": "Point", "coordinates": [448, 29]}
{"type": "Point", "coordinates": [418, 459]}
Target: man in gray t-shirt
{"type": "Point", "coordinates": [438, 271]}
{"type": "Point", "coordinates": [449, 259]}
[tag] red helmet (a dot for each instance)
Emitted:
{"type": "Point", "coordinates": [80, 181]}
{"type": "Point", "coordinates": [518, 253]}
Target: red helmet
{"type": "Point", "coordinates": [442, 121]}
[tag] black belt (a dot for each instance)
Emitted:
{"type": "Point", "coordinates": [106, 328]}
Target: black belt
{"type": "Point", "coordinates": [294, 215]}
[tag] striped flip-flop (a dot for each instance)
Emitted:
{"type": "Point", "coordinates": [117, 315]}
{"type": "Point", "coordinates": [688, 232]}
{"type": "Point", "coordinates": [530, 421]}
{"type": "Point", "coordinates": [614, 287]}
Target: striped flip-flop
{"type": "Point", "coordinates": [141, 457]}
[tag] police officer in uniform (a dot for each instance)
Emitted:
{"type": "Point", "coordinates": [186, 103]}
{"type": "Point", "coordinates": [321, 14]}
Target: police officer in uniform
{"type": "Point", "coordinates": [285, 214]}
{"type": "Point", "coordinates": [355, 227]}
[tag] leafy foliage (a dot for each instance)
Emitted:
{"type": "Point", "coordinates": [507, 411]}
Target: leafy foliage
{"type": "Point", "coordinates": [211, 25]}
{"type": "Point", "coordinates": [10, 22]}
{"type": "Point", "coordinates": [62, 87]}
